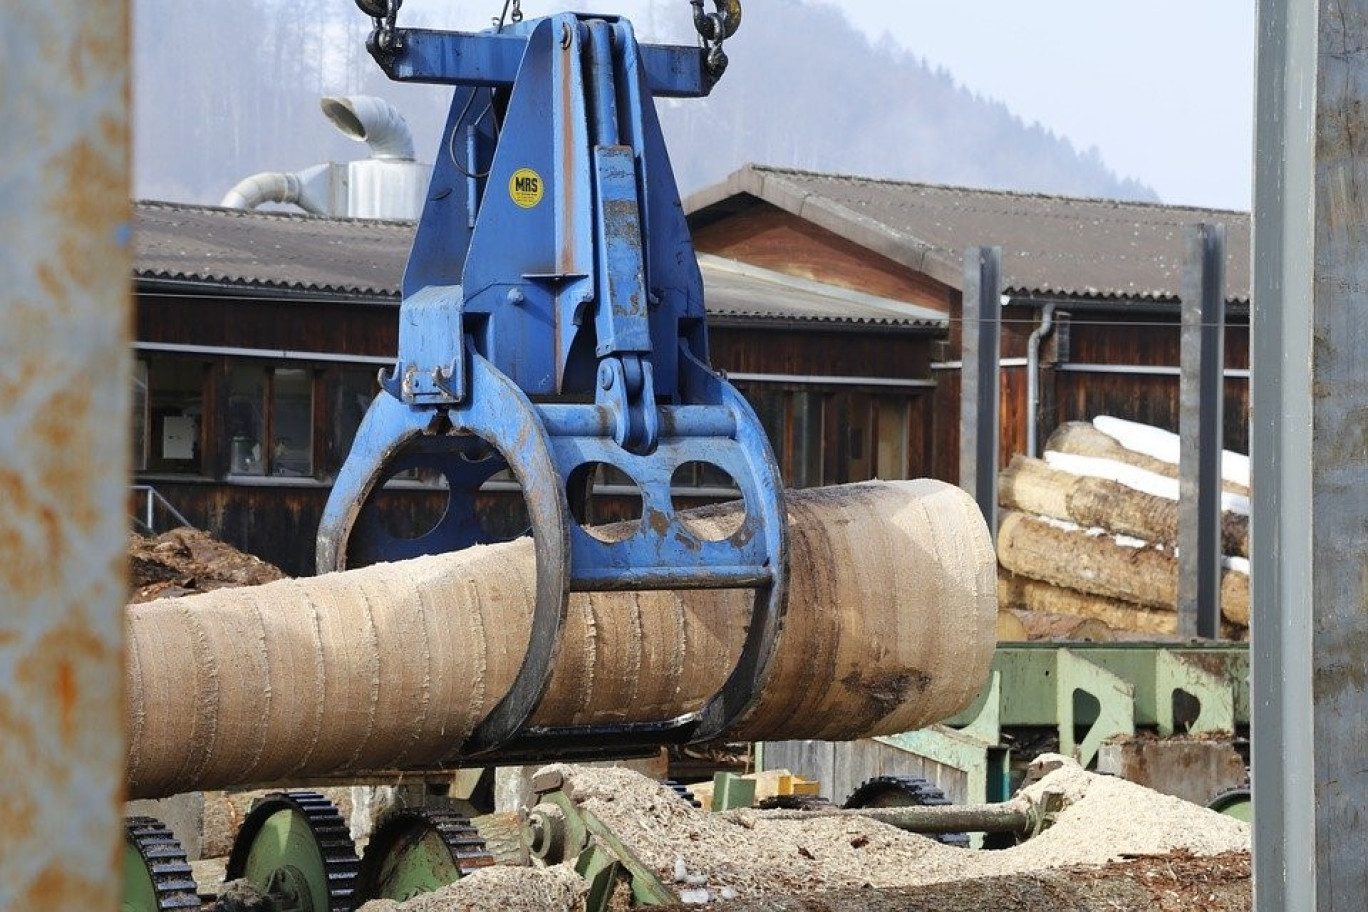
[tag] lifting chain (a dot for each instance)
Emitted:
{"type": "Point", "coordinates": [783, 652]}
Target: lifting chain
{"type": "Point", "coordinates": [515, 18]}
{"type": "Point", "coordinates": [383, 13]}
{"type": "Point", "coordinates": [716, 27]}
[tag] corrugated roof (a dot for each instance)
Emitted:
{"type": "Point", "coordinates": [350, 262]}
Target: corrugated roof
{"type": "Point", "coordinates": [1051, 245]}
{"type": "Point", "coordinates": [358, 257]}
{"type": "Point", "coordinates": [275, 250]}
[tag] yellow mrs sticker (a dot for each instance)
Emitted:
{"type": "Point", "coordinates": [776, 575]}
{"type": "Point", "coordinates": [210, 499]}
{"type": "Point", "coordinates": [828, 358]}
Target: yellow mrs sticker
{"type": "Point", "coordinates": [525, 186]}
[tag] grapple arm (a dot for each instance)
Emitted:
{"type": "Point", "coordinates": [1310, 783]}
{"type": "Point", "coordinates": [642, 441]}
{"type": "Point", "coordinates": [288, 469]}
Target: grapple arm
{"type": "Point", "coordinates": [552, 321]}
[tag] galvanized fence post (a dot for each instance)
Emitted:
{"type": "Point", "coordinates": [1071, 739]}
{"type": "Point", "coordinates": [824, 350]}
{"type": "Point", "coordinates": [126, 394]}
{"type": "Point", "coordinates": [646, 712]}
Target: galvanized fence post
{"type": "Point", "coordinates": [980, 373]}
{"type": "Point", "coordinates": [1200, 421]}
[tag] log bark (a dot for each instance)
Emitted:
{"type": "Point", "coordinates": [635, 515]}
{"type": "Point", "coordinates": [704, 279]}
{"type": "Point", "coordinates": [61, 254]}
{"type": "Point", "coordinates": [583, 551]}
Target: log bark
{"type": "Point", "coordinates": [1097, 564]}
{"type": "Point", "coordinates": [889, 627]}
{"type": "Point", "coordinates": [1082, 438]}
{"type": "Point", "coordinates": [1126, 620]}
{"type": "Point", "coordinates": [1045, 625]}
{"type": "Point", "coordinates": [1032, 486]}
{"type": "Point", "coordinates": [1020, 594]}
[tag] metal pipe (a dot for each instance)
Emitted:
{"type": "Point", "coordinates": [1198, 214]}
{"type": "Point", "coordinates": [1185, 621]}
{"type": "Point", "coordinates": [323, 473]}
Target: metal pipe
{"type": "Point", "coordinates": [1017, 817]}
{"type": "Point", "coordinates": [372, 120]}
{"type": "Point", "coordinates": [1033, 379]}
{"type": "Point", "coordinates": [266, 187]}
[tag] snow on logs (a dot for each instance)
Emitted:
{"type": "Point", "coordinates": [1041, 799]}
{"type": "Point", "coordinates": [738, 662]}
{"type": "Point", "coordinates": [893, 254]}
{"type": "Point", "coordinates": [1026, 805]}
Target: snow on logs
{"type": "Point", "coordinates": [1092, 529]}
{"type": "Point", "coordinates": [890, 627]}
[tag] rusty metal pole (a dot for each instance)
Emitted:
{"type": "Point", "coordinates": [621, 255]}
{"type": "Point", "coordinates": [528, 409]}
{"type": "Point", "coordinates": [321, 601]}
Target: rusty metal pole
{"type": "Point", "coordinates": [64, 401]}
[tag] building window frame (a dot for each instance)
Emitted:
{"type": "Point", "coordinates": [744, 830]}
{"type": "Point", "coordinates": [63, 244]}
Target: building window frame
{"type": "Point", "coordinates": [256, 445]}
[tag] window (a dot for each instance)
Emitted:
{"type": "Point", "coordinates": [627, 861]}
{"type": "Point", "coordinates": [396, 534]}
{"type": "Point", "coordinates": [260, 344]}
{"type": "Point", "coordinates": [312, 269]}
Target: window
{"type": "Point", "coordinates": [890, 421]}
{"type": "Point", "coordinates": [173, 393]}
{"type": "Point", "coordinates": [246, 420]}
{"type": "Point", "coordinates": [352, 395]}
{"type": "Point", "coordinates": [292, 422]}
{"type": "Point", "coordinates": [793, 421]}
{"type": "Point", "coordinates": [270, 420]}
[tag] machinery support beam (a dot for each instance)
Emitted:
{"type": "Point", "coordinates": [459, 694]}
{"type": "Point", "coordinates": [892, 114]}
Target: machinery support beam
{"type": "Point", "coordinates": [980, 377]}
{"type": "Point", "coordinates": [64, 392]}
{"type": "Point", "coordinates": [1201, 400]}
{"type": "Point", "coordinates": [1310, 396]}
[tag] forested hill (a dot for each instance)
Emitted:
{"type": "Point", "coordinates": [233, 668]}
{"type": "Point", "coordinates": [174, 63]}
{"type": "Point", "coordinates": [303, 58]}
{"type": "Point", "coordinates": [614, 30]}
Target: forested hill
{"type": "Point", "coordinates": [226, 88]}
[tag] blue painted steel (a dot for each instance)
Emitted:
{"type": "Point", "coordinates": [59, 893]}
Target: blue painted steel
{"type": "Point", "coordinates": [561, 327]}
{"type": "Point", "coordinates": [487, 59]}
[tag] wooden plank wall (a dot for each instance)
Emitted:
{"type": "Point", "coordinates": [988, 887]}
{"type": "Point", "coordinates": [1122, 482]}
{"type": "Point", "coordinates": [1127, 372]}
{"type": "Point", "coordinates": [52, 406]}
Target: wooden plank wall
{"type": "Point", "coordinates": [1142, 340]}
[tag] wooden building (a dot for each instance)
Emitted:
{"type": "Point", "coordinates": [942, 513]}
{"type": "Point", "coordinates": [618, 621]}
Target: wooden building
{"type": "Point", "coordinates": [259, 337]}
{"type": "Point", "coordinates": [1106, 273]}
{"type": "Point", "coordinates": [834, 304]}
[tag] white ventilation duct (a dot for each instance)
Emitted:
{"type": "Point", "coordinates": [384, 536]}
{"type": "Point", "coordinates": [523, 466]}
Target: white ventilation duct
{"type": "Point", "coordinates": [310, 190]}
{"type": "Point", "coordinates": [388, 185]}
{"type": "Point", "coordinates": [373, 121]}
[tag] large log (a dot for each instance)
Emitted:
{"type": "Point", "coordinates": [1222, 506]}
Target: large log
{"type": "Point", "coordinates": [1032, 486]}
{"type": "Point", "coordinates": [1083, 439]}
{"type": "Point", "coordinates": [1099, 565]}
{"type": "Point", "coordinates": [1020, 594]}
{"type": "Point", "coordinates": [890, 627]}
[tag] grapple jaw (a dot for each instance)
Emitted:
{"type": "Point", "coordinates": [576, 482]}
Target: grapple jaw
{"type": "Point", "coordinates": [545, 445]}
{"type": "Point", "coordinates": [552, 323]}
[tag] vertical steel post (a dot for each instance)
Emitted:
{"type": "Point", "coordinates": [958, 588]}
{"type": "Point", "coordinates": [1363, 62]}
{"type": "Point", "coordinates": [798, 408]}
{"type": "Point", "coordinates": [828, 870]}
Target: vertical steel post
{"type": "Point", "coordinates": [1310, 442]}
{"type": "Point", "coordinates": [64, 449]}
{"type": "Point", "coordinates": [1200, 421]}
{"type": "Point", "coordinates": [979, 372]}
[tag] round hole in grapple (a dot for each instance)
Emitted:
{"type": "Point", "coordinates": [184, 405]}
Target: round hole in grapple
{"type": "Point", "coordinates": [412, 504]}
{"type": "Point", "coordinates": [436, 499]}
{"type": "Point", "coordinates": [707, 500]}
{"type": "Point", "coordinates": [605, 501]}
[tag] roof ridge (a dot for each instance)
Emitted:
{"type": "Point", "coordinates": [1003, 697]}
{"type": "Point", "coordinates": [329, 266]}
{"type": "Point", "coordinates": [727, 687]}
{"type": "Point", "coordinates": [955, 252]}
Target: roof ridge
{"type": "Point", "coordinates": [272, 215]}
{"type": "Point", "coordinates": [987, 191]}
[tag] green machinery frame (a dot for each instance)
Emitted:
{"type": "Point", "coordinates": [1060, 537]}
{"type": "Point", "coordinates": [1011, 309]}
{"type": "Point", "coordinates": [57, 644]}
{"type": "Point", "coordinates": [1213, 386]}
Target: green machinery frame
{"type": "Point", "coordinates": [1089, 693]}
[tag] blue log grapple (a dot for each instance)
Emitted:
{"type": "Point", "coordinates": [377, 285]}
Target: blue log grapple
{"type": "Point", "coordinates": [552, 321]}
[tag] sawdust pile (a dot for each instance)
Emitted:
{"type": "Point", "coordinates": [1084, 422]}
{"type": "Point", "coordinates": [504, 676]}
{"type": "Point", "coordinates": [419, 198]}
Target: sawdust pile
{"type": "Point", "coordinates": [188, 561]}
{"type": "Point", "coordinates": [508, 889]}
{"type": "Point", "coordinates": [1106, 819]}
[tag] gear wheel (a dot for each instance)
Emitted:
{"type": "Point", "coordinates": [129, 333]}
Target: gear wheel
{"type": "Point", "coordinates": [683, 792]}
{"type": "Point", "coordinates": [156, 874]}
{"type": "Point", "coordinates": [1234, 802]}
{"type": "Point", "coordinates": [296, 843]}
{"type": "Point", "coordinates": [418, 850]}
{"type": "Point", "coordinates": [904, 791]}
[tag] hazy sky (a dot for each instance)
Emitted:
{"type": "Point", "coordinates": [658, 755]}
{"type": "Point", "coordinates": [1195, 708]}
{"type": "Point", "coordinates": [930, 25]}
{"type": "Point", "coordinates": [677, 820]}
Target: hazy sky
{"type": "Point", "coordinates": [1163, 89]}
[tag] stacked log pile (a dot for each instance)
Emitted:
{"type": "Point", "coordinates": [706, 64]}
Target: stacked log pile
{"type": "Point", "coordinates": [1090, 532]}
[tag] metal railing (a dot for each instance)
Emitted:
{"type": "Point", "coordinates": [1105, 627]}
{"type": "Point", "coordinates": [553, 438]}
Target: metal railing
{"type": "Point", "coordinates": [146, 501]}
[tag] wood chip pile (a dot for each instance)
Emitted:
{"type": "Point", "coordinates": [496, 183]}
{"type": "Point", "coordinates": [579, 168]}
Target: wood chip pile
{"type": "Point", "coordinates": [743, 860]}
{"type": "Point", "coordinates": [187, 561]}
{"type": "Point", "coordinates": [1090, 532]}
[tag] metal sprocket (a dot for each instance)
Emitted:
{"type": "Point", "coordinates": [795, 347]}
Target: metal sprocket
{"type": "Point", "coordinates": [904, 791]}
{"type": "Point", "coordinates": [165, 882]}
{"type": "Point", "coordinates": [332, 880]}
{"type": "Point", "coordinates": [417, 850]}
